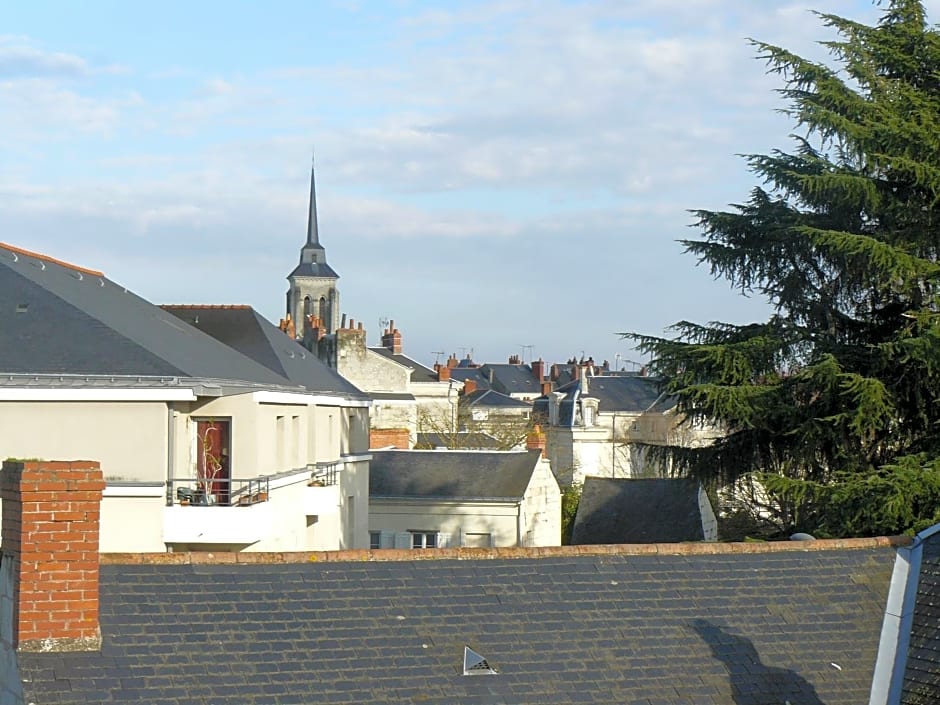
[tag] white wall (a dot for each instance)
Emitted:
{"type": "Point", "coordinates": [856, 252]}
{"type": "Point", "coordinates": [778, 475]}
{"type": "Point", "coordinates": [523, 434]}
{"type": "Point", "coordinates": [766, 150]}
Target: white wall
{"type": "Point", "coordinates": [128, 439]}
{"type": "Point", "coordinates": [499, 519]}
{"type": "Point", "coordinates": [541, 508]}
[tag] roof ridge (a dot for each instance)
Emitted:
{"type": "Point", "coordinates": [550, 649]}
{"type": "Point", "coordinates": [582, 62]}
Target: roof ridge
{"type": "Point", "coordinates": [363, 554]}
{"type": "Point", "coordinates": [53, 260]}
{"type": "Point", "coordinates": [207, 306]}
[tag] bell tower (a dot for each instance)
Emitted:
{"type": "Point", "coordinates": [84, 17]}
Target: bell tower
{"type": "Point", "coordinates": [312, 285]}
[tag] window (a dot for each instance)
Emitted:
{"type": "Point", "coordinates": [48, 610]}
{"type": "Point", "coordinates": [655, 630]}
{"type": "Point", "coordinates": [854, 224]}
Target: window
{"type": "Point", "coordinates": [424, 539]}
{"type": "Point", "coordinates": [375, 539]}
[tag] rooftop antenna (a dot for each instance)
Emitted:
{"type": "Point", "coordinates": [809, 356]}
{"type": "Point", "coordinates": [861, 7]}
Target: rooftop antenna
{"type": "Point", "coordinates": [524, 348]}
{"type": "Point", "coordinates": [437, 356]}
{"type": "Point", "coordinates": [383, 324]}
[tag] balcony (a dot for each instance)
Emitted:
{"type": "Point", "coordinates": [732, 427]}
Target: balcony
{"type": "Point", "coordinates": [233, 511]}
{"type": "Point", "coordinates": [322, 495]}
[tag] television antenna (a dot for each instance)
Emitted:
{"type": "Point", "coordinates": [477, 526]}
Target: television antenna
{"type": "Point", "coordinates": [524, 348]}
{"type": "Point", "coordinates": [383, 324]}
{"type": "Point", "coordinates": [437, 356]}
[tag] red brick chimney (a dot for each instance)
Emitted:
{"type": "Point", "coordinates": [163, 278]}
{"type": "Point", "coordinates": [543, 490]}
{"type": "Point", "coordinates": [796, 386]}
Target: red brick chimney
{"type": "Point", "coordinates": [538, 370]}
{"type": "Point", "coordinates": [536, 440]}
{"type": "Point", "coordinates": [443, 373]}
{"type": "Point", "coordinates": [391, 339]}
{"type": "Point", "coordinates": [452, 361]}
{"type": "Point", "coordinates": [469, 386]}
{"type": "Point", "coordinates": [51, 513]}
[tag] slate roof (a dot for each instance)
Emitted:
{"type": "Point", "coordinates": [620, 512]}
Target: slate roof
{"type": "Point", "coordinates": [462, 374]}
{"type": "Point", "coordinates": [451, 474]}
{"type": "Point", "coordinates": [511, 379]}
{"type": "Point", "coordinates": [648, 510]}
{"type": "Point", "coordinates": [727, 629]}
{"type": "Point", "coordinates": [314, 269]}
{"type": "Point", "coordinates": [419, 373]}
{"type": "Point", "coordinates": [493, 399]}
{"type": "Point", "coordinates": [245, 330]}
{"type": "Point", "coordinates": [61, 319]}
{"type": "Point", "coordinates": [464, 439]}
{"type": "Point", "coordinates": [627, 394]}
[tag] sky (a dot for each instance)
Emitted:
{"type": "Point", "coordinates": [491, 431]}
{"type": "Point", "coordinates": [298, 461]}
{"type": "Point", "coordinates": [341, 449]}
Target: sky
{"type": "Point", "coordinates": [503, 177]}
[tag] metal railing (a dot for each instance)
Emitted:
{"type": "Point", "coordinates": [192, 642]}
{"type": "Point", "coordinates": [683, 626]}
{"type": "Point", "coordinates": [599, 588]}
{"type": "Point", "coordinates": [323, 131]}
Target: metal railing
{"type": "Point", "coordinates": [325, 474]}
{"type": "Point", "coordinates": [222, 492]}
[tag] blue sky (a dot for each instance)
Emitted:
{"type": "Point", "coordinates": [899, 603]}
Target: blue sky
{"type": "Point", "coordinates": [491, 175]}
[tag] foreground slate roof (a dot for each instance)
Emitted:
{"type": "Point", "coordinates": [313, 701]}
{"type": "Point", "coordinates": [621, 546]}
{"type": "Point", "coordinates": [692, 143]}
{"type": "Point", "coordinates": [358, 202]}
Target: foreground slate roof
{"type": "Point", "coordinates": [60, 319]}
{"type": "Point", "coordinates": [245, 330]}
{"type": "Point", "coordinates": [725, 629]}
{"type": "Point", "coordinates": [647, 510]}
{"type": "Point", "coordinates": [451, 474]}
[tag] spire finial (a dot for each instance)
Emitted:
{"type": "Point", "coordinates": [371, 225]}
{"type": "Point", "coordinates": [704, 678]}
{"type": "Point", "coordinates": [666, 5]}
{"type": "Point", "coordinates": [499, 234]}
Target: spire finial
{"type": "Point", "coordinates": [313, 235]}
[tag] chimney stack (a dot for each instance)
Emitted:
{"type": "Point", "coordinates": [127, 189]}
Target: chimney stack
{"type": "Point", "coordinates": [51, 517]}
{"type": "Point", "coordinates": [469, 386]}
{"type": "Point", "coordinates": [538, 370]}
{"type": "Point", "coordinates": [443, 372]}
{"type": "Point", "coordinates": [391, 339]}
{"type": "Point", "coordinates": [536, 440]}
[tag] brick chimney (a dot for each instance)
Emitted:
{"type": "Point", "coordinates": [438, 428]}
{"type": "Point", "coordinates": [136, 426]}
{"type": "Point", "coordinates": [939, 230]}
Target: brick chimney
{"type": "Point", "coordinates": [51, 513]}
{"type": "Point", "coordinates": [469, 386]}
{"type": "Point", "coordinates": [443, 372]}
{"type": "Point", "coordinates": [391, 339]}
{"type": "Point", "coordinates": [538, 370]}
{"type": "Point", "coordinates": [536, 440]}
{"type": "Point", "coordinates": [452, 361]}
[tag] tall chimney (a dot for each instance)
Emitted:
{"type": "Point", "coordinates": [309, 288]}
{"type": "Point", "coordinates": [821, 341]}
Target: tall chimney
{"type": "Point", "coordinates": [391, 339]}
{"type": "Point", "coordinates": [51, 517]}
{"type": "Point", "coordinates": [536, 440]}
{"type": "Point", "coordinates": [538, 370]}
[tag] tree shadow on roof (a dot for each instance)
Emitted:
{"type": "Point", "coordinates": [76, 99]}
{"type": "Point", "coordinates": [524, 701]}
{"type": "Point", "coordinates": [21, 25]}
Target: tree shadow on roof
{"type": "Point", "coordinates": [752, 681]}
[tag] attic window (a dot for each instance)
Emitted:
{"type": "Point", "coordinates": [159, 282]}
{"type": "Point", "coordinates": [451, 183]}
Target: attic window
{"type": "Point", "coordinates": [475, 665]}
{"type": "Point", "coordinates": [22, 308]}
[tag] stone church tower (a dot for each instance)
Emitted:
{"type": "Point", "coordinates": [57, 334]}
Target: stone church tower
{"type": "Point", "coordinates": [312, 290]}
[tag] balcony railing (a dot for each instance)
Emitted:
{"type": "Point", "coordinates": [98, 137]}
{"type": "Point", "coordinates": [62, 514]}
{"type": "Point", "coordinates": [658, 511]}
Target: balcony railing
{"type": "Point", "coordinates": [325, 474]}
{"type": "Point", "coordinates": [222, 492]}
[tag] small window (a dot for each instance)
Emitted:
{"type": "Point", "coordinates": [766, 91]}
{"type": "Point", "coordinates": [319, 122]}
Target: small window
{"type": "Point", "coordinates": [375, 540]}
{"type": "Point", "coordinates": [424, 539]}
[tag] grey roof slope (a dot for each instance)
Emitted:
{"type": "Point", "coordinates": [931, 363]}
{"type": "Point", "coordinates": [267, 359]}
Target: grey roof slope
{"type": "Point", "coordinates": [648, 510]}
{"type": "Point", "coordinates": [451, 474]}
{"type": "Point", "coordinates": [59, 319]}
{"type": "Point", "coordinates": [511, 379]}
{"type": "Point", "coordinates": [319, 270]}
{"type": "Point", "coordinates": [419, 373]}
{"type": "Point", "coordinates": [468, 440]}
{"type": "Point", "coordinates": [628, 394]}
{"type": "Point", "coordinates": [492, 398]}
{"type": "Point", "coordinates": [462, 374]}
{"type": "Point", "coordinates": [245, 330]}
{"type": "Point", "coordinates": [728, 629]}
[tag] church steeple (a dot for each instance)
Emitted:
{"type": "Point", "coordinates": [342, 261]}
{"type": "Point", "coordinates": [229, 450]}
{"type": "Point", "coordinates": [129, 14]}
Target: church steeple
{"type": "Point", "coordinates": [313, 235]}
{"type": "Point", "coordinates": [313, 291]}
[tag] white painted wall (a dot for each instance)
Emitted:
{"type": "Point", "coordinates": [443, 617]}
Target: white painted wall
{"type": "Point", "coordinates": [128, 439]}
{"type": "Point", "coordinates": [499, 519]}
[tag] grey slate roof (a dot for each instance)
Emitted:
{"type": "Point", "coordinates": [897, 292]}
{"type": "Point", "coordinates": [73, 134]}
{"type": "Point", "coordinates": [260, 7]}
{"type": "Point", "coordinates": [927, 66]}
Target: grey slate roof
{"type": "Point", "coordinates": [729, 629]}
{"type": "Point", "coordinates": [245, 330]}
{"type": "Point", "coordinates": [451, 474]}
{"type": "Point", "coordinates": [319, 270]}
{"type": "Point", "coordinates": [463, 439]}
{"type": "Point", "coordinates": [57, 319]}
{"type": "Point", "coordinates": [491, 398]}
{"type": "Point", "coordinates": [419, 373]}
{"type": "Point", "coordinates": [462, 374]}
{"type": "Point", "coordinates": [627, 394]}
{"type": "Point", "coordinates": [511, 379]}
{"type": "Point", "coordinates": [648, 510]}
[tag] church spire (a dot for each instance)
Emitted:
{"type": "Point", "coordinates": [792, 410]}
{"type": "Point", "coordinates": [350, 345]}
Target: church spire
{"type": "Point", "coordinates": [313, 235]}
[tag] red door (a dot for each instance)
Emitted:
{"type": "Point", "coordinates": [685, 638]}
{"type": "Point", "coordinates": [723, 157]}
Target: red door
{"type": "Point", "coordinates": [212, 459]}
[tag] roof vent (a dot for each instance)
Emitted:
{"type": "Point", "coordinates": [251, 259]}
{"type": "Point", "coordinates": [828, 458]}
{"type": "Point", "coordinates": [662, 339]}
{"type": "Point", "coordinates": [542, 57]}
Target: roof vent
{"type": "Point", "coordinates": [476, 665]}
{"type": "Point", "coordinates": [22, 308]}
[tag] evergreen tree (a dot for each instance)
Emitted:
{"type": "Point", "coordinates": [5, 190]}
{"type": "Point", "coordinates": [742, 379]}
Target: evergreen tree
{"type": "Point", "coordinates": [836, 398]}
